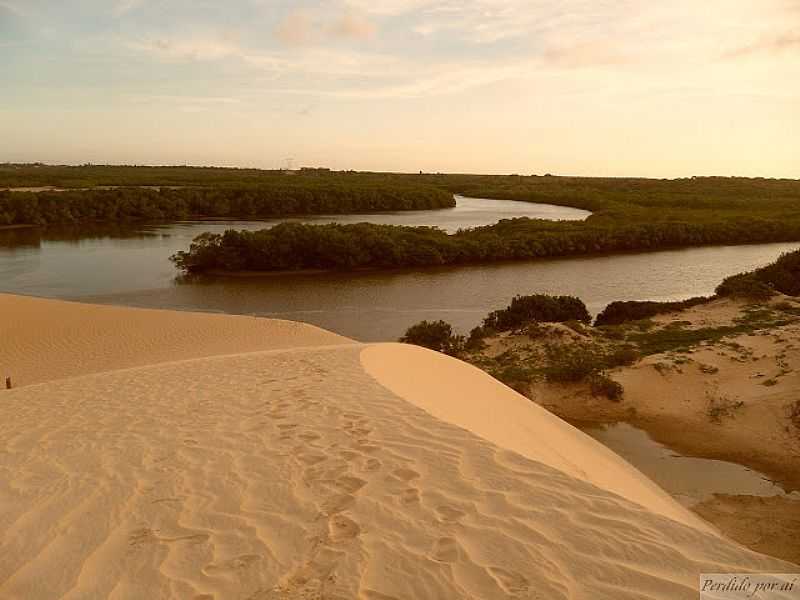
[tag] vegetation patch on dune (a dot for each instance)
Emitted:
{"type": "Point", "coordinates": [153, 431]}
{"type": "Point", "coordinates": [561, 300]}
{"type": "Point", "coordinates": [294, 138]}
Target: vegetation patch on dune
{"type": "Point", "coordinates": [546, 338]}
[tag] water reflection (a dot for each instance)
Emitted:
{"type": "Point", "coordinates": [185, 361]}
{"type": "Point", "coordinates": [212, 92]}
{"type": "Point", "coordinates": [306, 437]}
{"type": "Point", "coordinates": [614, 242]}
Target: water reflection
{"type": "Point", "coordinates": [690, 480]}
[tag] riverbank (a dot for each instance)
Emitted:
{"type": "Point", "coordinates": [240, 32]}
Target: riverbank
{"type": "Point", "coordinates": [308, 467]}
{"type": "Point", "coordinates": [724, 388]}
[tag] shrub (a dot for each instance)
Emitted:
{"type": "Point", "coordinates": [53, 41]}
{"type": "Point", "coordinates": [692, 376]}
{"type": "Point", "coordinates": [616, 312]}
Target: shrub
{"type": "Point", "coordinates": [617, 313]}
{"type": "Point", "coordinates": [783, 275]}
{"type": "Point", "coordinates": [517, 377]}
{"type": "Point", "coordinates": [475, 341]}
{"type": "Point", "coordinates": [745, 285]}
{"type": "Point", "coordinates": [602, 385]}
{"type": "Point", "coordinates": [436, 335]}
{"type": "Point", "coordinates": [722, 407]}
{"type": "Point", "coordinates": [539, 307]}
{"type": "Point", "coordinates": [623, 356]}
{"type": "Point", "coordinates": [570, 364]}
{"type": "Point", "coordinates": [576, 326]}
{"type": "Point", "coordinates": [613, 332]}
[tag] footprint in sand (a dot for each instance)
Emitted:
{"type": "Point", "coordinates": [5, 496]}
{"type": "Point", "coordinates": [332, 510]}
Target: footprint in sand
{"type": "Point", "coordinates": [510, 581]}
{"type": "Point", "coordinates": [341, 528]}
{"type": "Point", "coordinates": [197, 538]}
{"type": "Point", "coordinates": [449, 514]}
{"type": "Point", "coordinates": [337, 504]}
{"type": "Point", "coordinates": [318, 569]}
{"type": "Point", "coordinates": [311, 459]}
{"type": "Point", "coordinates": [406, 474]}
{"type": "Point", "coordinates": [235, 564]}
{"type": "Point", "coordinates": [350, 484]}
{"type": "Point", "coordinates": [140, 537]}
{"type": "Point", "coordinates": [171, 502]}
{"type": "Point", "coordinates": [445, 550]}
{"type": "Point", "coordinates": [409, 496]}
{"type": "Point", "coordinates": [372, 465]}
{"type": "Point", "coordinates": [349, 455]}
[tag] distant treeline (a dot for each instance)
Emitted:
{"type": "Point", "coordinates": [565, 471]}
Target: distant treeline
{"type": "Point", "coordinates": [291, 246]}
{"type": "Point", "coordinates": [258, 201]}
{"type": "Point", "coordinates": [629, 214]}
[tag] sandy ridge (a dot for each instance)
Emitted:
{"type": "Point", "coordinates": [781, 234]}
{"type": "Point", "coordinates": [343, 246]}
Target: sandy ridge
{"type": "Point", "coordinates": [44, 340]}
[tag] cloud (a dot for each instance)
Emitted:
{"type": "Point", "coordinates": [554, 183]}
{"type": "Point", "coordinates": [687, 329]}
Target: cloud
{"type": "Point", "coordinates": [353, 26]}
{"type": "Point", "coordinates": [297, 28]}
{"type": "Point", "coordinates": [304, 27]}
{"type": "Point", "coordinates": [473, 43]}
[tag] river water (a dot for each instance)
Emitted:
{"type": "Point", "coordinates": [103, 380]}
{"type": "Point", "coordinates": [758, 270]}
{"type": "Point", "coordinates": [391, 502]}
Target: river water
{"type": "Point", "coordinates": [130, 266]}
{"type": "Point", "coordinates": [688, 479]}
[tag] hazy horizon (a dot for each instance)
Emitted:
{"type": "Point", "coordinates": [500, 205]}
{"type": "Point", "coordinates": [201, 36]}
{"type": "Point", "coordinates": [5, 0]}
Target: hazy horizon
{"type": "Point", "coordinates": [577, 87]}
{"type": "Point", "coordinates": [299, 167]}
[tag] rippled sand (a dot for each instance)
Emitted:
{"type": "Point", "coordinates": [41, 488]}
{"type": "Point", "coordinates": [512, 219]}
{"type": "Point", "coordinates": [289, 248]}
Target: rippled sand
{"type": "Point", "coordinates": [313, 473]}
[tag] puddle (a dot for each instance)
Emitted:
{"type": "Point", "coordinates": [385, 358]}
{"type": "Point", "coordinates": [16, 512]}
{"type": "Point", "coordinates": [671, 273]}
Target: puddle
{"type": "Point", "coordinates": [689, 480]}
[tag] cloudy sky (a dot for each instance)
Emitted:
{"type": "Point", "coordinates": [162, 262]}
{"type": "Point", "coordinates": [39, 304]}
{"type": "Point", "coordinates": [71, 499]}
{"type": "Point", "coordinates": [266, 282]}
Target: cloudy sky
{"type": "Point", "coordinates": [592, 87]}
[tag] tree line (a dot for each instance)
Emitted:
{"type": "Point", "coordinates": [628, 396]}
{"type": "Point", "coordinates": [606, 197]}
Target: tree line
{"type": "Point", "coordinates": [292, 246]}
{"type": "Point", "coordinates": [86, 206]}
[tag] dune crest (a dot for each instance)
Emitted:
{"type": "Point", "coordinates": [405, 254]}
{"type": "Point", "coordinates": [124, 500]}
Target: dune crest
{"type": "Point", "coordinates": [44, 339]}
{"type": "Point", "coordinates": [467, 397]}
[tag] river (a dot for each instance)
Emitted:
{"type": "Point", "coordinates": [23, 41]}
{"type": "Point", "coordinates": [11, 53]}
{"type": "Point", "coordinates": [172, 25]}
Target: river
{"type": "Point", "coordinates": [130, 266]}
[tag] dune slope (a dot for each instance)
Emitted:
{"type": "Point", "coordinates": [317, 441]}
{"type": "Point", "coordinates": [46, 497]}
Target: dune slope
{"type": "Point", "coordinates": [467, 397]}
{"type": "Point", "coordinates": [42, 340]}
{"type": "Point", "coordinates": [296, 474]}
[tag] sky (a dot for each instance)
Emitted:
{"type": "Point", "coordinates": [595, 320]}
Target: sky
{"type": "Point", "coordinates": [648, 88]}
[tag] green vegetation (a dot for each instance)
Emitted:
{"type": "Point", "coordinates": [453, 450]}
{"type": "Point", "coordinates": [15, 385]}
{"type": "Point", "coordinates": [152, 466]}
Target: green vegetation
{"type": "Point", "coordinates": [294, 246]}
{"type": "Point", "coordinates": [601, 384]}
{"type": "Point", "coordinates": [535, 349]}
{"type": "Point", "coordinates": [508, 240]}
{"type": "Point", "coordinates": [781, 276]}
{"type": "Point", "coordinates": [745, 285]}
{"type": "Point", "coordinates": [617, 313]}
{"type": "Point", "coordinates": [436, 335]}
{"type": "Point", "coordinates": [166, 203]}
{"type": "Point", "coordinates": [525, 310]}
{"type": "Point", "coordinates": [629, 214]}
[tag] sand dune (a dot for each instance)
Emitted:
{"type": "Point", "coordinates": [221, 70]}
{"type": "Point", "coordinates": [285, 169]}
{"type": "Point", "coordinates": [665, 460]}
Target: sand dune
{"type": "Point", "coordinates": [467, 397]}
{"type": "Point", "coordinates": [297, 474]}
{"type": "Point", "coordinates": [42, 339]}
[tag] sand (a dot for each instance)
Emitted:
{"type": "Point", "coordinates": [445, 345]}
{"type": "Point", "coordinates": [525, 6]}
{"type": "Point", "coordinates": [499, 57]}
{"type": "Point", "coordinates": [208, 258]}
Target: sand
{"type": "Point", "coordinates": [45, 339]}
{"type": "Point", "coordinates": [730, 400]}
{"type": "Point", "coordinates": [507, 419]}
{"type": "Point", "coordinates": [304, 472]}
